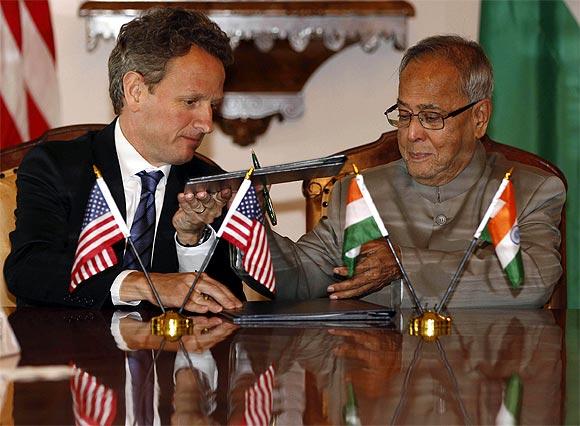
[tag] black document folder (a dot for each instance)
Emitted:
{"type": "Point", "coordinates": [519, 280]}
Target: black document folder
{"type": "Point", "coordinates": [309, 311]}
{"type": "Point", "coordinates": [280, 173]}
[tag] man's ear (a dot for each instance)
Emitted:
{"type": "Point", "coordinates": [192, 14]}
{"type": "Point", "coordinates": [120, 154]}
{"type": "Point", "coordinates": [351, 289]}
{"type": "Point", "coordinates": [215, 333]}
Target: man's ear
{"type": "Point", "coordinates": [481, 116]}
{"type": "Point", "coordinates": [133, 90]}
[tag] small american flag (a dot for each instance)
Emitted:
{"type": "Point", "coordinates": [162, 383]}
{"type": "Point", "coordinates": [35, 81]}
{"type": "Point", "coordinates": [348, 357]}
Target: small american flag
{"type": "Point", "coordinates": [93, 402]}
{"type": "Point", "coordinates": [259, 400]}
{"type": "Point", "coordinates": [245, 229]}
{"type": "Point", "coordinates": [100, 230]}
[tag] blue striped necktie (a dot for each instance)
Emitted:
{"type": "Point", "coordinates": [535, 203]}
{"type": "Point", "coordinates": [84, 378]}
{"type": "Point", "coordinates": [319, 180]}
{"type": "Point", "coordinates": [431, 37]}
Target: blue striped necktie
{"type": "Point", "coordinates": [143, 227]}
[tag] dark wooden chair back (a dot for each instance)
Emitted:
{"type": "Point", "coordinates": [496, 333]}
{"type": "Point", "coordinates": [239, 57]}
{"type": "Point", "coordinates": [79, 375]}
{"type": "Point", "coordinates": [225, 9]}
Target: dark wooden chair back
{"type": "Point", "coordinates": [11, 157]}
{"type": "Point", "coordinates": [385, 149]}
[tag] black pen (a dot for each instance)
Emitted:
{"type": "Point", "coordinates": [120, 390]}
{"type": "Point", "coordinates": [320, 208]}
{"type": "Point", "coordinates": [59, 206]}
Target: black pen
{"type": "Point", "coordinates": [267, 199]}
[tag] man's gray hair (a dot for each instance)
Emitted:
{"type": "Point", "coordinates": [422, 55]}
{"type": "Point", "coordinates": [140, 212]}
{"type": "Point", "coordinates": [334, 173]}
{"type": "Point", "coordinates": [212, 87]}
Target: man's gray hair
{"type": "Point", "coordinates": [468, 57]}
{"type": "Point", "coordinates": [147, 43]}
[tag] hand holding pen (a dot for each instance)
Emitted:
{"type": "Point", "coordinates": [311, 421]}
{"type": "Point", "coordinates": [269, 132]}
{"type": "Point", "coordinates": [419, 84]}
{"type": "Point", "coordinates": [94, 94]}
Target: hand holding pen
{"type": "Point", "coordinates": [267, 199]}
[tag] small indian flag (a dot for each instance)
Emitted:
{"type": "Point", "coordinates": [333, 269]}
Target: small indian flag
{"type": "Point", "coordinates": [362, 222]}
{"type": "Point", "coordinates": [503, 231]}
{"type": "Point", "coordinates": [509, 411]}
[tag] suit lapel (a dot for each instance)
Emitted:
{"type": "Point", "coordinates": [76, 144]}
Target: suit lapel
{"type": "Point", "coordinates": [106, 160]}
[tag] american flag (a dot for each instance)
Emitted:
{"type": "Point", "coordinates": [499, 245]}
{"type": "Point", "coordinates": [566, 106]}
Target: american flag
{"type": "Point", "coordinates": [29, 102]}
{"type": "Point", "coordinates": [99, 232]}
{"type": "Point", "coordinates": [93, 402]}
{"type": "Point", "coordinates": [245, 229]}
{"type": "Point", "coordinates": [259, 400]}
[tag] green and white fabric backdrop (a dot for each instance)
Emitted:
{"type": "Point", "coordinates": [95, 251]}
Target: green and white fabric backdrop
{"type": "Point", "coordinates": [534, 47]}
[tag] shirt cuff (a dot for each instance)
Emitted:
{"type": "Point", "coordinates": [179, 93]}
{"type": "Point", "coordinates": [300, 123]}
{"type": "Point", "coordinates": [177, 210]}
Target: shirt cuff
{"type": "Point", "coordinates": [116, 328]}
{"type": "Point", "coordinates": [191, 258]}
{"type": "Point", "coordinates": [116, 291]}
{"type": "Point", "coordinates": [204, 362]}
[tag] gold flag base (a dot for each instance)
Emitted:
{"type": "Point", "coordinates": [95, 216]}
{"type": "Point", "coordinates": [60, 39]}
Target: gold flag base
{"type": "Point", "coordinates": [430, 325]}
{"type": "Point", "coordinates": [171, 325]}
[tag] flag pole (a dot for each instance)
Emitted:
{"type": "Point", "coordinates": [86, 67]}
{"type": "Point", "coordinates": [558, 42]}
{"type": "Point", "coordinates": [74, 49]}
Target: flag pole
{"type": "Point", "coordinates": [125, 230]}
{"type": "Point", "coordinates": [371, 205]}
{"type": "Point", "coordinates": [201, 270]}
{"type": "Point", "coordinates": [235, 203]}
{"type": "Point", "coordinates": [455, 280]}
{"type": "Point", "coordinates": [406, 278]}
{"type": "Point", "coordinates": [146, 273]}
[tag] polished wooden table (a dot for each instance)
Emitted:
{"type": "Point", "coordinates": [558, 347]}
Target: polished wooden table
{"type": "Point", "coordinates": [297, 375]}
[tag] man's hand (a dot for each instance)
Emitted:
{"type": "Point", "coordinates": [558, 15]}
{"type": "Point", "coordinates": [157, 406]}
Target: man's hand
{"type": "Point", "coordinates": [196, 210]}
{"type": "Point", "coordinates": [375, 268]}
{"type": "Point", "coordinates": [373, 355]}
{"type": "Point", "coordinates": [208, 295]}
{"type": "Point", "coordinates": [206, 333]}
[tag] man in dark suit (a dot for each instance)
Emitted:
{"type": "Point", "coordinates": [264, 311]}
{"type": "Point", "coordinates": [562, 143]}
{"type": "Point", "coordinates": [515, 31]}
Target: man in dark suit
{"type": "Point", "coordinates": [166, 74]}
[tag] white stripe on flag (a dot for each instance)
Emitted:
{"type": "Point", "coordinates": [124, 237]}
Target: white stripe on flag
{"type": "Point", "coordinates": [113, 207]}
{"type": "Point", "coordinates": [235, 203]}
{"type": "Point", "coordinates": [39, 70]}
{"type": "Point", "coordinates": [506, 249]}
{"type": "Point", "coordinates": [12, 79]}
{"type": "Point", "coordinates": [357, 211]}
{"type": "Point", "coordinates": [371, 205]}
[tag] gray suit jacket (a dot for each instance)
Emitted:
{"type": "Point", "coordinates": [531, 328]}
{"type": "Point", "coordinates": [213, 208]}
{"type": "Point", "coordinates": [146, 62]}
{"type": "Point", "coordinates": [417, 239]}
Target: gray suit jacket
{"type": "Point", "coordinates": [431, 251]}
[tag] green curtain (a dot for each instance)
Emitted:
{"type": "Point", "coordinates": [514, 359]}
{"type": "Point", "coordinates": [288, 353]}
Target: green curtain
{"type": "Point", "coordinates": [534, 47]}
{"type": "Point", "coordinates": [572, 368]}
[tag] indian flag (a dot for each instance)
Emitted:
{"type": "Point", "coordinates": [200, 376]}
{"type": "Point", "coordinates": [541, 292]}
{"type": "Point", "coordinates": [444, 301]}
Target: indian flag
{"type": "Point", "coordinates": [509, 411]}
{"type": "Point", "coordinates": [503, 232]}
{"type": "Point", "coordinates": [362, 222]}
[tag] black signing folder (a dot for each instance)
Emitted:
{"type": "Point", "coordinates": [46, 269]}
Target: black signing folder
{"type": "Point", "coordinates": [280, 173]}
{"type": "Point", "coordinates": [303, 313]}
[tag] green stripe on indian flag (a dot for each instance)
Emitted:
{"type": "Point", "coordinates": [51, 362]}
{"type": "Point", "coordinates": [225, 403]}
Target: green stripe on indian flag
{"type": "Point", "coordinates": [358, 234]}
{"type": "Point", "coordinates": [515, 270]}
{"type": "Point", "coordinates": [510, 409]}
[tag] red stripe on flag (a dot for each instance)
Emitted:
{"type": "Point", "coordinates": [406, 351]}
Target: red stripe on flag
{"type": "Point", "coordinates": [37, 124]}
{"type": "Point", "coordinates": [9, 135]}
{"type": "Point", "coordinates": [40, 13]}
{"type": "Point", "coordinates": [259, 400]}
{"type": "Point", "coordinates": [11, 10]}
{"type": "Point", "coordinates": [93, 402]}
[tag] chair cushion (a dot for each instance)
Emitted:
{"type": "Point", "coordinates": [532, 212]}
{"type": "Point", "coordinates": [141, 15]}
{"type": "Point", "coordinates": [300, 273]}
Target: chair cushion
{"type": "Point", "coordinates": [7, 223]}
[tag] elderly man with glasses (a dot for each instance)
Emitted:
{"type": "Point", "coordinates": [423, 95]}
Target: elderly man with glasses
{"type": "Point", "coordinates": [433, 199]}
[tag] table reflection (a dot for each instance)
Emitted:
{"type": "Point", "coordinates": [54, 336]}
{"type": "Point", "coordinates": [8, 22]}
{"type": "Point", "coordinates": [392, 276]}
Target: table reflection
{"type": "Point", "coordinates": [222, 374]}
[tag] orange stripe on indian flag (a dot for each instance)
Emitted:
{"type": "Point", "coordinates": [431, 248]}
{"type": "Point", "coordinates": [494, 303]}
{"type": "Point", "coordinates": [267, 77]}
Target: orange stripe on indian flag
{"type": "Point", "coordinates": [353, 192]}
{"type": "Point", "coordinates": [503, 221]}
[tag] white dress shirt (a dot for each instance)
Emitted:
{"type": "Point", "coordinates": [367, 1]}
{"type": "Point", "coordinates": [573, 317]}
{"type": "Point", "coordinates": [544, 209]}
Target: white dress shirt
{"type": "Point", "coordinates": [131, 163]}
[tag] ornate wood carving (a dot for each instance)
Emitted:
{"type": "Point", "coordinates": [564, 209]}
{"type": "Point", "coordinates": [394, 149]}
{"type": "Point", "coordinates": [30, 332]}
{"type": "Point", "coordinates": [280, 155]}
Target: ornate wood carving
{"type": "Point", "coordinates": [278, 45]}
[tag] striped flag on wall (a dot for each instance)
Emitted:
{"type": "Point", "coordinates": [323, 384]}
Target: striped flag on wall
{"type": "Point", "coordinates": [29, 102]}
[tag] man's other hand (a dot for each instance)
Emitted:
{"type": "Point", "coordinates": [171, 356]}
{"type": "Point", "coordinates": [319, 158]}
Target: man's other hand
{"type": "Point", "coordinates": [209, 295]}
{"type": "Point", "coordinates": [196, 210]}
{"type": "Point", "coordinates": [375, 268]}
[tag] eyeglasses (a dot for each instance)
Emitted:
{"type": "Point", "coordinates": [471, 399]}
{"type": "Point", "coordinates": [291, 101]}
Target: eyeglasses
{"type": "Point", "coordinates": [430, 120]}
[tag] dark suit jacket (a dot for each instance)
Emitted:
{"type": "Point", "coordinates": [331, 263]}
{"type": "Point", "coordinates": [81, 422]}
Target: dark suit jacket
{"type": "Point", "coordinates": [54, 181]}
